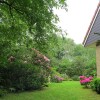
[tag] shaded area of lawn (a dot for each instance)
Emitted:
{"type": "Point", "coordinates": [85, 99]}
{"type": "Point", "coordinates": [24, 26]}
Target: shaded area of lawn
{"type": "Point", "coordinates": [57, 91]}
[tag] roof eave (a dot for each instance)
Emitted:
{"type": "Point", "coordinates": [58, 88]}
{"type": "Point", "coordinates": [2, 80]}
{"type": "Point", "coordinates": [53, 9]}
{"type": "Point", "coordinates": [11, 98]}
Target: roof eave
{"type": "Point", "coordinates": [91, 25]}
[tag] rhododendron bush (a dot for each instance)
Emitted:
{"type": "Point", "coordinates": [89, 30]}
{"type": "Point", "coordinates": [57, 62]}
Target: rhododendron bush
{"type": "Point", "coordinates": [25, 71]}
{"type": "Point", "coordinates": [85, 80]}
{"type": "Point", "coordinates": [43, 62]}
{"type": "Point", "coordinates": [40, 59]}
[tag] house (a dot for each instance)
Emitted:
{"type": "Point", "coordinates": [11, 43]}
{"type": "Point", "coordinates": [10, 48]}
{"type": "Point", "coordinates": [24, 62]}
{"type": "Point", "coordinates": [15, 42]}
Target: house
{"type": "Point", "coordinates": [92, 38]}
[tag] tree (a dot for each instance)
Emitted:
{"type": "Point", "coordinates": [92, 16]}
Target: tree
{"type": "Point", "coordinates": [26, 24]}
{"type": "Point", "coordinates": [73, 59]}
{"type": "Point", "coordinates": [25, 21]}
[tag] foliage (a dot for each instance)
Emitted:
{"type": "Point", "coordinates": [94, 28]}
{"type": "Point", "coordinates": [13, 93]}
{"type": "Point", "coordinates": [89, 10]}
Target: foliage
{"type": "Point", "coordinates": [22, 77]}
{"type": "Point", "coordinates": [73, 59]}
{"type": "Point", "coordinates": [2, 92]}
{"type": "Point", "coordinates": [75, 78]}
{"type": "Point", "coordinates": [96, 85]}
{"type": "Point", "coordinates": [21, 72]}
{"type": "Point", "coordinates": [55, 76]}
{"type": "Point", "coordinates": [85, 81]}
{"type": "Point", "coordinates": [25, 24]}
{"type": "Point", "coordinates": [25, 21]}
{"type": "Point", "coordinates": [65, 77]}
{"type": "Point", "coordinates": [90, 68]}
{"type": "Point", "coordinates": [57, 79]}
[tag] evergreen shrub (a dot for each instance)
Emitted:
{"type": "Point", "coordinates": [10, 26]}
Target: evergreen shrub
{"type": "Point", "coordinates": [96, 85]}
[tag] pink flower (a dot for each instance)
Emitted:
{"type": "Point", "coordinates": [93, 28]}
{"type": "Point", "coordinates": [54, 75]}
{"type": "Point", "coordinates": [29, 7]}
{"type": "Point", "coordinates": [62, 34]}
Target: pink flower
{"type": "Point", "coordinates": [82, 77]}
{"type": "Point", "coordinates": [39, 60]}
{"type": "Point", "coordinates": [84, 80]}
{"type": "Point", "coordinates": [87, 80]}
{"type": "Point", "coordinates": [90, 77]}
{"type": "Point", "coordinates": [46, 59]}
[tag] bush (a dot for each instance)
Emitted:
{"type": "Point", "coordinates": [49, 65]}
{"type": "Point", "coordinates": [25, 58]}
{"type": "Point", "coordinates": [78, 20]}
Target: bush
{"type": "Point", "coordinates": [2, 92]}
{"type": "Point", "coordinates": [86, 81]}
{"type": "Point", "coordinates": [65, 77]}
{"type": "Point", "coordinates": [75, 78]}
{"type": "Point", "coordinates": [58, 79]}
{"type": "Point", "coordinates": [18, 76]}
{"type": "Point", "coordinates": [96, 85]}
{"type": "Point", "coordinates": [24, 70]}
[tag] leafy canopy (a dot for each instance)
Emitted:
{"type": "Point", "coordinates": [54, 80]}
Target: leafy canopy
{"type": "Point", "coordinates": [29, 21]}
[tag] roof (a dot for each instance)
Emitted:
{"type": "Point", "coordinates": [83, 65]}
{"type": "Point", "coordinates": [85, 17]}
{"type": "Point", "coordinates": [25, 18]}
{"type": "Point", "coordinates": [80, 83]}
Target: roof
{"type": "Point", "coordinates": [94, 27]}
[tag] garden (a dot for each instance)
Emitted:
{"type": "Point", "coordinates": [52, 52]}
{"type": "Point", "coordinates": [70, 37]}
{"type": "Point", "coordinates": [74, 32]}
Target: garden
{"type": "Point", "coordinates": [37, 61]}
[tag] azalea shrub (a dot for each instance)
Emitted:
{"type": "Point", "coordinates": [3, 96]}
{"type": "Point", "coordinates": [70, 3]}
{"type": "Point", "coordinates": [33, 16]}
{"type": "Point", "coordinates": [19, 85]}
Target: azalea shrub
{"type": "Point", "coordinates": [86, 81]}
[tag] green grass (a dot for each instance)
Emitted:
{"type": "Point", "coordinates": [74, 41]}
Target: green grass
{"type": "Point", "coordinates": [57, 91]}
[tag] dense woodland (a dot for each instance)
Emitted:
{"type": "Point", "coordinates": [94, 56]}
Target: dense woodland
{"type": "Point", "coordinates": [33, 49]}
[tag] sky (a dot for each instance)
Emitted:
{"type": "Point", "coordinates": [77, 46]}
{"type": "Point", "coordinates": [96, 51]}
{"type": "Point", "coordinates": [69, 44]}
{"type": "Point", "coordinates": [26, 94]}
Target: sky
{"type": "Point", "coordinates": [77, 19]}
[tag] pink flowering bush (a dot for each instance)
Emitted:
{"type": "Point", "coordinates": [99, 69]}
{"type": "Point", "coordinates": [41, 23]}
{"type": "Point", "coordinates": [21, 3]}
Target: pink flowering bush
{"type": "Point", "coordinates": [41, 60]}
{"type": "Point", "coordinates": [85, 80]}
{"type": "Point", "coordinates": [58, 79]}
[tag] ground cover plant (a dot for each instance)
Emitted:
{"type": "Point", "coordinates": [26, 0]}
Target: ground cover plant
{"type": "Point", "coordinates": [69, 90]}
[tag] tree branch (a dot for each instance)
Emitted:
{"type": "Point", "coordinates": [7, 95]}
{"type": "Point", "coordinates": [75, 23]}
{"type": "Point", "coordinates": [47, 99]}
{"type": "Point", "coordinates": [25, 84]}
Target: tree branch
{"type": "Point", "coordinates": [10, 5]}
{"type": "Point", "coordinates": [4, 2]}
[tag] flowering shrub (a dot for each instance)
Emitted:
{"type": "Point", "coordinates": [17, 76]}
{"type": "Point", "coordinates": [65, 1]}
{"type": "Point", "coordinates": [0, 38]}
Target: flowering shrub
{"type": "Point", "coordinates": [85, 80]}
{"type": "Point", "coordinates": [25, 71]}
{"type": "Point", "coordinates": [58, 79]}
{"type": "Point", "coordinates": [41, 59]}
{"type": "Point", "coordinates": [43, 62]}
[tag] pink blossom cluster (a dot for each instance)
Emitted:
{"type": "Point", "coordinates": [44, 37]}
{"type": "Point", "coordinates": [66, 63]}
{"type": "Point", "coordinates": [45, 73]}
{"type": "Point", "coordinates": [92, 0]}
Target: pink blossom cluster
{"type": "Point", "coordinates": [41, 56]}
{"type": "Point", "coordinates": [85, 80]}
{"type": "Point", "coordinates": [41, 59]}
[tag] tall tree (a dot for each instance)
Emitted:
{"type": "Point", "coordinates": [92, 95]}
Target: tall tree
{"type": "Point", "coordinates": [29, 20]}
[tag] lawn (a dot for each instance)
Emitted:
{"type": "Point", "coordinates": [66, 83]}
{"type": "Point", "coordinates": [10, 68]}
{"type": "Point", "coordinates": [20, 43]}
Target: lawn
{"type": "Point", "coordinates": [70, 90]}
